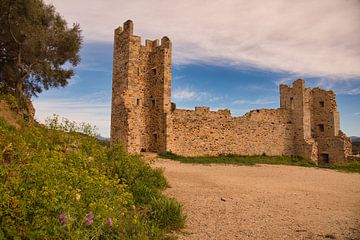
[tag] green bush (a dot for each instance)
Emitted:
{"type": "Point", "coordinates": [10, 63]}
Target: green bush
{"type": "Point", "coordinates": [11, 100]}
{"type": "Point", "coordinates": [57, 185]}
{"type": "Point", "coordinates": [351, 166]}
{"type": "Point", "coordinates": [66, 125]}
{"type": "Point", "coordinates": [143, 181]}
{"type": "Point", "coordinates": [167, 212]}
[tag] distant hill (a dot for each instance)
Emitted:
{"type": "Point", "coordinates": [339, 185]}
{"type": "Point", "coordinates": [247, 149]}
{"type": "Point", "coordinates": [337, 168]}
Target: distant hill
{"type": "Point", "coordinates": [103, 138]}
{"type": "Point", "coordinates": [355, 139]}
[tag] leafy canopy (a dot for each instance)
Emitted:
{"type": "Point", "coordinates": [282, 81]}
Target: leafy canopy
{"type": "Point", "coordinates": [37, 49]}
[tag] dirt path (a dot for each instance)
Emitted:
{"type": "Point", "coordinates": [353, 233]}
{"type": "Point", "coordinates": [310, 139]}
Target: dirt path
{"type": "Point", "coordinates": [265, 202]}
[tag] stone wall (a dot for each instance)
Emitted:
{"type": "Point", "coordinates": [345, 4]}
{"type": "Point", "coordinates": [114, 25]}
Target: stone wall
{"type": "Point", "coordinates": [205, 132]}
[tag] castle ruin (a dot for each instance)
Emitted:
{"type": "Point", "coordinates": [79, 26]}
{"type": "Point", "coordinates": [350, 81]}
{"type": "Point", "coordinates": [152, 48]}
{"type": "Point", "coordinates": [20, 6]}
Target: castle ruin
{"type": "Point", "coordinates": [307, 124]}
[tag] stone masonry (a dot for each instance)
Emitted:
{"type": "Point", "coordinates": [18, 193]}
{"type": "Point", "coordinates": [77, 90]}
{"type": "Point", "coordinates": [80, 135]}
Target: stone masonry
{"type": "Point", "coordinates": [143, 118]}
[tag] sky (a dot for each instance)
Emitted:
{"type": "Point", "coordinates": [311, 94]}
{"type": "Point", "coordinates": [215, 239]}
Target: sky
{"type": "Point", "coordinates": [226, 53]}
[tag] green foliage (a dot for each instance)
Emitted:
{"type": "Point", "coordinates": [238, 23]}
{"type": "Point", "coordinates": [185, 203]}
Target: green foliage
{"type": "Point", "coordinates": [143, 181]}
{"type": "Point", "coordinates": [38, 49]}
{"type": "Point", "coordinates": [11, 100]}
{"type": "Point", "coordinates": [146, 184]}
{"type": "Point", "coordinates": [351, 166]}
{"type": "Point", "coordinates": [66, 125]}
{"type": "Point", "coordinates": [167, 212]}
{"type": "Point", "coordinates": [57, 185]}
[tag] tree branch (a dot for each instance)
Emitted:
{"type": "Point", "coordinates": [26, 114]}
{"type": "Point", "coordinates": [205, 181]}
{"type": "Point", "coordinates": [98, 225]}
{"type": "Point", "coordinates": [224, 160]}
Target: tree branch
{"type": "Point", "coordinates": [11, 32]}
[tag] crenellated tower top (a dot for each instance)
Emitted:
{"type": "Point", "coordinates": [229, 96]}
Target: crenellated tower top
{"type": "Point", "coordinates": [127, 31]}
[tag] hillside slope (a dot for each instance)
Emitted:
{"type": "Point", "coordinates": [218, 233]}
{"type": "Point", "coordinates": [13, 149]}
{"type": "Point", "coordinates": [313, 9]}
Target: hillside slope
{"type": "Point", "coordinates": [62, 185]}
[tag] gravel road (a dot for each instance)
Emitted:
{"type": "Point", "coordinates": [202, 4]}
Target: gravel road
{"type": "Point", "coordinates": [264, 201]}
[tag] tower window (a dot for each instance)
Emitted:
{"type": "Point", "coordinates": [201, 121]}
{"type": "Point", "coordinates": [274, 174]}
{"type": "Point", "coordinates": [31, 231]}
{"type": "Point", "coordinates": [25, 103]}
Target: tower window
{"type": "Point", "coordinates": [291, 103]}
{"type": "Point", "coordinates": [153, 71]}
{"type": "Point", "coordinates": [321, 127]}
{"type": "Point", "coordinates": [137, 102]}
{"type": "Point", "coordinates": [155, 137]}
{"type": "Point", "coordinates": [153, 102]}
{"type": "Point", "coordinates": [321, 103]}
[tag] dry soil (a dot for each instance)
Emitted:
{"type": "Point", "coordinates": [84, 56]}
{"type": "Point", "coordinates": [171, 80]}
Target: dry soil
{"type": "Point", "coordinates": [264, 201]}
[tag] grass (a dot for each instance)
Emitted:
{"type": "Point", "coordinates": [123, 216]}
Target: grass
{"type": "Point", "coordinates": [240, 160]}
{"type": "Point", "coordinates": [353, 166]}
{"type": "Point", "coordinates": [168, 213]}
{"type": "Point", "coordinates": [254, 160]}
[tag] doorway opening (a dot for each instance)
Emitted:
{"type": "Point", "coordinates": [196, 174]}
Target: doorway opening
{"type": "Point", "coordinates": [324, 159]}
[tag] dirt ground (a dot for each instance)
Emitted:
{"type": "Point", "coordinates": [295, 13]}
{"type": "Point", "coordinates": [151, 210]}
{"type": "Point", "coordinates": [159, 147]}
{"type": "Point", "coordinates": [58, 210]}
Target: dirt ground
{"type": "Point", "coordinates": [264, 202]}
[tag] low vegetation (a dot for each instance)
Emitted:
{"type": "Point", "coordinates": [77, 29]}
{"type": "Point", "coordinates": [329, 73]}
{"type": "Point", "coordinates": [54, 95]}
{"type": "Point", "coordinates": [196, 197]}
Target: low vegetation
{"type": "Point", "coordinates": [356, 147]}
{"type": "Point", "coordinates": [68, 185]}
{"type": "Point", "coordinates": [263, 159]}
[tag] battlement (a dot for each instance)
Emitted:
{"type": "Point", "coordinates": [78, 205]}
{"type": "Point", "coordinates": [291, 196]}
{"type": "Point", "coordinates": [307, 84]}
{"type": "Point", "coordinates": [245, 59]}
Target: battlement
{"type": "Point", "coordinates": [225, 112]}
{"type": "Point", "coordinates": [300, 83]}
{"type": "Point", "coordinates": [127, 31]}
{"type": "Point", "coordinates": [202, 109]}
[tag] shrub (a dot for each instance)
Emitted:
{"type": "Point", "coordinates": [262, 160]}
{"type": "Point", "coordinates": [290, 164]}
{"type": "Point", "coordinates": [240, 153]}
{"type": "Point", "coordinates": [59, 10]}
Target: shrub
{"type": "Point", "coordinates": [143, 181]}
{"type": "Point", "coordinates": [66, 125]}
{"type": "Point", "coordinates": [167, 212]}
{"type": "Point", "coordinates": [11, 100]}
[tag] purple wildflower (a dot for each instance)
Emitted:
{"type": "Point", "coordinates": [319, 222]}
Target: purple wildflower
{"type": "Point", "coordinates": [110, 222]}
{"type": "Point", "coordinates": [63, 218]}
{"type": "Point", "coordinates": [89, 219]}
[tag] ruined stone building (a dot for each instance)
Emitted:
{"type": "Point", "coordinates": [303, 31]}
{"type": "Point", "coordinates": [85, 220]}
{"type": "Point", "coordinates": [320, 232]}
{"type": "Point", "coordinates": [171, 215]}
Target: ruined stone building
{"type": "Point", "coordinates": [144, 119]}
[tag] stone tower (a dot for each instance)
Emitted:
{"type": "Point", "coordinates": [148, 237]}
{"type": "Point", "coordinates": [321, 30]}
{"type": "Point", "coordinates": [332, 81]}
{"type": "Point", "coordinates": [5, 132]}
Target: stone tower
{"type": "Point", "coordinates": [140, 91]}
{"type": "Point", "coordinates": [316, 123]}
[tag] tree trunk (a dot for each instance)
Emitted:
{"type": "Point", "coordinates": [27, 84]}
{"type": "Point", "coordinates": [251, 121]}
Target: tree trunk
{"type": "Point", "coordinates": [19, 89]}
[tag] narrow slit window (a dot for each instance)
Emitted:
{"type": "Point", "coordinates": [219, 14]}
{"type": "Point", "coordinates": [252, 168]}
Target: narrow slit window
{"type": "Point", "coordinates": [153, 103]}
{"type": "Point", "coordinates": [153, 71]}
{"type": "Point", "coordinates": [321, 127]}
{"type": "Point", "coordinates": [321, 103]}
{"type": "Point", "coordinates": [155, 136]}
{"type": "Point", "coordinates": [137, 102]}
{"type": "Point", "coordinates": [291, 103]}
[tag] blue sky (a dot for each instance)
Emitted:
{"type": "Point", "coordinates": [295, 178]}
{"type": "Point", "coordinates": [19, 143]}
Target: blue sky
{"type": "Point", "coordinates": [235, 59]}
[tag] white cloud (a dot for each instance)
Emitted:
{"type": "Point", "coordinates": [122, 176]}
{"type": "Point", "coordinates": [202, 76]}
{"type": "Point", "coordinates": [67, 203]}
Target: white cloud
{"type": "Point", "coordinates": [259, 101]}
{"type": "Point", "coordinates": [184, 94]}
{"type": "Point", "coordinates": [188, 94]}
{"type": "Point", "coordinates": [309, 37]}
{"type": "Point", "coordinates": [178, 77]}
